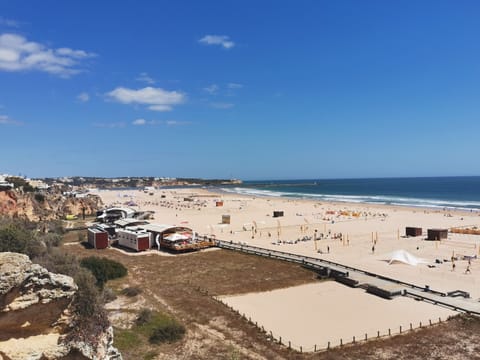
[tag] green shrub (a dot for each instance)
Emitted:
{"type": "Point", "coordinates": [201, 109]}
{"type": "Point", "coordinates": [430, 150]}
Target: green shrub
{"type": "Point", "coordinates": [14, 238]}
{"type": "Point", "coordinates": [170, 331]}
{"type": "Point", "coordinates": [103, 269]}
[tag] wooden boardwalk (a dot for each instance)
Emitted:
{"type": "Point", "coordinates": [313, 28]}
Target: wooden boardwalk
{"type": "Point", "coordinates": [380, 285]}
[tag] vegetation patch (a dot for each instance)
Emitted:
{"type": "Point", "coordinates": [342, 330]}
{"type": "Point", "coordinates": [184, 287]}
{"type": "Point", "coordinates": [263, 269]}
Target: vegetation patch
{"type": "Point", "coordinates": [158, 327]}
{"type": "Point", "coordinates": [103, 269]}
{"type": "Point", "coordinates": [126, 339]}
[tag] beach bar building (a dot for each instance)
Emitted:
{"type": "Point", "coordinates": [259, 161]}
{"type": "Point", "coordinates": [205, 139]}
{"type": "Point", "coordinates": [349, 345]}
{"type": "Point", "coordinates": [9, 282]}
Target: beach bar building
{"type": "Point", "coordinates": [175, 238]}
{"type": "Point", "coordinates": [97, 238]}
{"type": "Point", "coordinates": [112, 214]}
{"type": "Point", "coordinates": [437, 234]}
{"type": "Point", "coordinates": [135, 239]}
{"type": "Point", "coordinates": [413, 231]}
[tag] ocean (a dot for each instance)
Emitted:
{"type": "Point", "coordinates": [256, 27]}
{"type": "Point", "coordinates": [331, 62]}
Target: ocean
{"type": "Point", "coordinates": [462, 193]}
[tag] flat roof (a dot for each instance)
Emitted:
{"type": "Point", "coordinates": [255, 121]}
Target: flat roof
{"type": "Point", "coordinates": [96, 230]}
{"type": "Point", "coordinates": [133, 231]}
{"type": "Point", "coordinates": [160, 227]}
{"type": "Point", "coordinates": [129, 221]}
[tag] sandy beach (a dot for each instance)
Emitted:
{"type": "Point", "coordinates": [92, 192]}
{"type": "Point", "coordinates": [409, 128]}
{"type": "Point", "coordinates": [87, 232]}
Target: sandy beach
{"type": "Point", "coordinates": [369, 234]}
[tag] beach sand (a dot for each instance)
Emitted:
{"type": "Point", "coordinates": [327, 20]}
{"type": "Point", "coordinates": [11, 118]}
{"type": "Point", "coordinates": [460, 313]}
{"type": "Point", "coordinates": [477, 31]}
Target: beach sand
{"type": "Point", "coordinates": [363, 226]}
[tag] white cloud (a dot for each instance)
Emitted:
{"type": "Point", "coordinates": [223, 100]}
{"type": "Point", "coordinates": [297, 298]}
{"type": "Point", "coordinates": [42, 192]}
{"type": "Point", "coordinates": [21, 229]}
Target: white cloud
{"type": "Point", "coordinates": [9, 22]}
{"type": "Point", "coordinates": [139, 122]}
{"type": "Point", "coordinates": [221, 105]}
{"type": "Point", "coordinates": [234, 86]}
{"type": "Point", "coordinates": [143, 122]}
{"type": "Point", "coordinates": [157, 98]}
{"type": "Point", "coordinates": [221, 40]}
{"type": "Point", "coordinates": [83, 97]}
{"type": "Point", "coordinates": [6, 120]}
{"type": "Point", "coordinates": [19, 54]}
{"type": "Point", "coordinates": [110, 125]}
{"type": "Point", "coordinates": [212, 89]}
{"type": "Point", "coordinates": [144, 77]}
{"type": "Point", "coordinates": [177, 123]}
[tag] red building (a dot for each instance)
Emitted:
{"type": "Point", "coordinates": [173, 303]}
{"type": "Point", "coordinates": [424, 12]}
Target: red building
{"type": "Point", "coordinates": [137, 240]}
{"type": "Point", "coordinates": [98, 238]}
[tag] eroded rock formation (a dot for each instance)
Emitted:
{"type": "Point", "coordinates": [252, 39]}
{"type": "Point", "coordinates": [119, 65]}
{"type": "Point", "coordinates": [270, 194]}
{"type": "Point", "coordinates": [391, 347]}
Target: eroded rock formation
{"type": "Point", "coordinates": [35, 315]}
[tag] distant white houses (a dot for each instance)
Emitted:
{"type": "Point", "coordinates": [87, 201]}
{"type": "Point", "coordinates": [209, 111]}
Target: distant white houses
{"type": "Point", "coordinates": [39, 184]}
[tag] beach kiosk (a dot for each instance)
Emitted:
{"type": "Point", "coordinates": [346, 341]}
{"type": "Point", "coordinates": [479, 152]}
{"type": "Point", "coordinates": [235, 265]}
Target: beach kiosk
{"type": "Point", "coordinates": [225, 219]}
{"type": "Point", "coordinates": [97, 238]}
{"type": "Point", "coordinates": [413, 231]}
{"type": "Point", "coordinates": [437, 234]}
{"type": "Point", "coordinates": [277, 213]}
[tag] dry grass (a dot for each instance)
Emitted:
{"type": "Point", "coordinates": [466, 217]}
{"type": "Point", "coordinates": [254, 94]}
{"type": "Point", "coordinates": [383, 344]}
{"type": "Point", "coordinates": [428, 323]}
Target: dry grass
{"type": "Point", "coordinates": [177, 285]}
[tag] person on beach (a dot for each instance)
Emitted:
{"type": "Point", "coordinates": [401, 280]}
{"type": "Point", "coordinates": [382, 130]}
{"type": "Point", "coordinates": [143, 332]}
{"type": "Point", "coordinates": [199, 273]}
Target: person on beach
{"type": "Point", "coordinates": [453, 265]}
{"type": "Point", "coordinates": [328, 249]}
{"type": "Point", "coordinates": [373, 249]}
{"type": "Point", "coordinates": [467, 270]}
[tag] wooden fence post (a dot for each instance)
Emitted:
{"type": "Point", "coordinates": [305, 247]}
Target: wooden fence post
{"type": "Point", "coordinates": [400, 329]}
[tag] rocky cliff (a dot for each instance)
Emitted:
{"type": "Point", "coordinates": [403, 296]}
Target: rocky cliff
{"type": "Point", "coordinates": [35, 207]}
{"type": "Point", "coordinates": [36, 316]}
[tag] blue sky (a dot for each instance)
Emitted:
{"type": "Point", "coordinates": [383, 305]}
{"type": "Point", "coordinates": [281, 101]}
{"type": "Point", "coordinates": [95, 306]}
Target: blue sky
{"type": "Point", "coordinates": [244, 89]}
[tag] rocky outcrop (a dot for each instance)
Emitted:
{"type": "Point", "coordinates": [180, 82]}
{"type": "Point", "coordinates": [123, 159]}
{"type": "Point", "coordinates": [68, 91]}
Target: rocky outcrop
{"type": "Point", "coordinates": [48, 206]}
{"type": "Point", "coordinates": [36, 317]}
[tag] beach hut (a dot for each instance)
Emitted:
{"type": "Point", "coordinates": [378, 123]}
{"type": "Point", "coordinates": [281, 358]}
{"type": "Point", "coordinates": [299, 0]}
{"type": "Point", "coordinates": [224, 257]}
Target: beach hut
{"type": "Point", "coordinates": [413, 231]}
{"type": "Point", "coordinates": [137, 239]}
{"type": "Point", "coordinates": [277, 213]}
{"type": "Point", "coordinates": [97, 238]}
{"type": "Point", "coordinates": [437, 234]}
{"type": "Point", "coordinates": [225, 219]}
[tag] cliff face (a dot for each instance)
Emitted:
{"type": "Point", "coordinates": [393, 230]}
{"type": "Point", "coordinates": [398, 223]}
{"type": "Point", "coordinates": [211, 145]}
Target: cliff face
{"type": "Point", "coordinates": [35, 315]}
{"type": "Point", "coordinates": [48, 207]}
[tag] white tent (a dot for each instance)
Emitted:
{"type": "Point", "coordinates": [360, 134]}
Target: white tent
{"type": "Point", "coordinates": [176, 237]}
{"type": "Point", "coordinates": [404, 257]}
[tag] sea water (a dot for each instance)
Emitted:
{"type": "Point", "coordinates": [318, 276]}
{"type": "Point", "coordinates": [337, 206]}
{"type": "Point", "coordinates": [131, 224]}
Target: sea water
{"type": "Point", "coordinates": [461, 193]}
